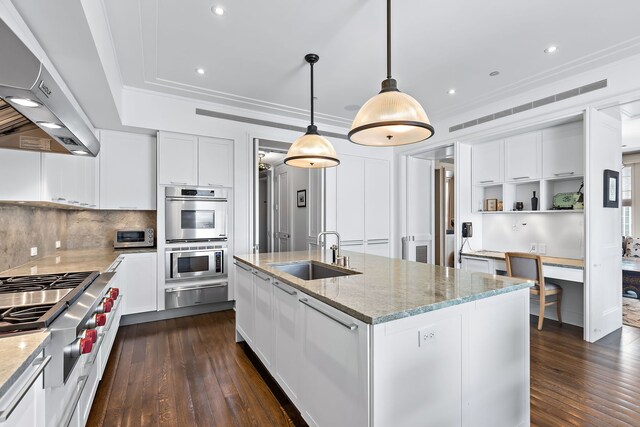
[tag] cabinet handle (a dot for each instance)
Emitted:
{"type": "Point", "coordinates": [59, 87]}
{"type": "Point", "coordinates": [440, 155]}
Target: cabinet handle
{"type": "Point", "coordinates": [113, 310]}
{"type": "Point", "coordinates": [485, 181]}
{"type": "Point", "coordinates": [564, 174]}
{"type": "Point", "coordinates": [92, 206]}
{"type": "Point", "coordinates": [377, 241]}
{"type": "Point", "coordinates": [43, 362]}
{"type": "Point", "coordinates": [59, 199]}
{"type": "Point", "coordinates": [520, 177]}
{"type": "Point", "coordinates": [179, 183]}
{"type": "Point", "coordinates": [241, 266]}
{"type": "Point", "coordinates": [84, 204]}
{"type": "Point", "coordinates": [263, 278]}
{"type": "Point", "coordinates": [350, 326]}
{"type": "Point", "coordinates": [130, 208]}
{"type": "Point", "coordinates": [277, 285]}
{"type": "Point", "coordinates": [196, 288]}
{"type": "Point", "coordinates": [74, 401]}
{"type": "Point", "coordinates": [73, 202]}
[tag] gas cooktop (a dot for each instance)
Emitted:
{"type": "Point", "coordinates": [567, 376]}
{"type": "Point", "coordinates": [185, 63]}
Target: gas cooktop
{"type": "Point", "coordinates": [33, 302]}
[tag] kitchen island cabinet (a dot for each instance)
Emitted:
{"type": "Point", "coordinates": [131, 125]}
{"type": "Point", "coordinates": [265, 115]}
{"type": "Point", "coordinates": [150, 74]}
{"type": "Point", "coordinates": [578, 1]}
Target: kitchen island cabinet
{"type": "Point", "coordinates": [396, 342]}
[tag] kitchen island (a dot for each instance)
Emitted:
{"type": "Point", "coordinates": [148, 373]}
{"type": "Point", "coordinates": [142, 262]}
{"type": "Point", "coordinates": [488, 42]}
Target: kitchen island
{"type": "Point", "coordinates": [392, 342]}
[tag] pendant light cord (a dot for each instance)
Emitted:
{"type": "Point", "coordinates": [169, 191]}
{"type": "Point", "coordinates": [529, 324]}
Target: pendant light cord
{"type": "Point", "coordinates": [311, 94]}
{"type": "Point", "coordinates": [388, 39]}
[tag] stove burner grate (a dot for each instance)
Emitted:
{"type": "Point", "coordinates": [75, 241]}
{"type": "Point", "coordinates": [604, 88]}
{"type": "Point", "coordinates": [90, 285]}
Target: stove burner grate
{"type": "Point", "coordinates": [18, 315]}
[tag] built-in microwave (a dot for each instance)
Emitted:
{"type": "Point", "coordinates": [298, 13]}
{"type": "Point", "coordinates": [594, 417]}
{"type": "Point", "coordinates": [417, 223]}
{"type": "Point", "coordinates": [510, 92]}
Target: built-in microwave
{"type": "Point", "coordinates": [195, 262]}
{"type": "Point", "coordinates": [196, 214]}
{"type": "Point", "coordinates": [133, 238]}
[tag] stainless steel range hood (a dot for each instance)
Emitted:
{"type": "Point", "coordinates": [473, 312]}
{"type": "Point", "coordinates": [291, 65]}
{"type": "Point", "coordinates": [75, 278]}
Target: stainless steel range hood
{"type": "Point", "coordinates": [28, 87]}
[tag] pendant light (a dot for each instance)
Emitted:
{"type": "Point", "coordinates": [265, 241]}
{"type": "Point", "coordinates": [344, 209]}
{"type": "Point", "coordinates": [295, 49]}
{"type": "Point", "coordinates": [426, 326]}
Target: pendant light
{"type": "Point", "coordinates": [391, 117]}
{"type": "Point", "coordinates": [312, 150]}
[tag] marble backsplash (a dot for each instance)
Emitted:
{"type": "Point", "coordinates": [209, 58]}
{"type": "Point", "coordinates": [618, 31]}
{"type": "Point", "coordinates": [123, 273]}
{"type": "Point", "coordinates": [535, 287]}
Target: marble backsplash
{"type": "Point", "coordinates": [24, 227]}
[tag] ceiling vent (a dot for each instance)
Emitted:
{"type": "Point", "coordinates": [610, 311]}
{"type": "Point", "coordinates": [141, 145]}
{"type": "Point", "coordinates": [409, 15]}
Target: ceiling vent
{"type": "Point", "coordinates": [533, 104]}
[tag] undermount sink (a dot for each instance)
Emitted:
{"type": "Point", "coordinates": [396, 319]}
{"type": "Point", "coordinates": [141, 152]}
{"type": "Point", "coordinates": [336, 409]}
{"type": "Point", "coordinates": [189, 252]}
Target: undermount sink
{"type": "Point", "coordinates": [312, 270]}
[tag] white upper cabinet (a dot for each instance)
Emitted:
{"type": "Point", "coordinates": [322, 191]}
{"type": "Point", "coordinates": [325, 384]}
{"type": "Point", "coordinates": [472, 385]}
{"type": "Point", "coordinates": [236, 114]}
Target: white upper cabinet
{"type": "Point", "coordinates": [19, 175]}
{"type": "Point", "coordinates": [177, 159]}
{"type": "Point", "coordinates": [376, 199]}
{"type": "Point", "coordinates": [523, 157]}
{"type": "Point", "coordinates": [69, 180]}
{"type": "Point", "coordinates": [563, 151]}
{"type": "Point", "coordinates": [127, 171]}
{"type": "Point", "coordinates": [193, 160]}
{"type": "Point", "coordinates": [215, 162]}
{"type": "Point", "coordinates": [350, 198]}
{"type": "Point", "coordinates": [488, 162]}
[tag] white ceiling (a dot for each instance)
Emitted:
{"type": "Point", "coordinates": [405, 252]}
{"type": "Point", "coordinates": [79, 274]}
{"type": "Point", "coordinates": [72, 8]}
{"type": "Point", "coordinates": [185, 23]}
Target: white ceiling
{"type": "Point", "coordinates": [253, 55]}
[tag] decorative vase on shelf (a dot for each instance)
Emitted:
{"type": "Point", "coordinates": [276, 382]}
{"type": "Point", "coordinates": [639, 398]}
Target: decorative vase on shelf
{"type": "Point", "coordinates": [534, 202]}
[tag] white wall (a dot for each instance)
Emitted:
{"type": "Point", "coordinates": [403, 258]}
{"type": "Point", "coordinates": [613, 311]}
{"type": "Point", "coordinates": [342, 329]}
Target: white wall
{"type": "Point", "coordinates": [563, 233]}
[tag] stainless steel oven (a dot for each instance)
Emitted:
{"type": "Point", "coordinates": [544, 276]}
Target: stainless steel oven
{"type": "Point", "coordinates": [195, 262]}
{"type": "Point", "coordinates": [193, 214]}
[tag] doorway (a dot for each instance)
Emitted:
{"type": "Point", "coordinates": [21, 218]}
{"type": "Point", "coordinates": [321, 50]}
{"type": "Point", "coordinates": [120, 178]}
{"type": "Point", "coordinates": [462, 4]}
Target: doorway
{"type": "Point", "coordinates": [429, 217]}
{"type": "Point", "coordinates": [288, 201]}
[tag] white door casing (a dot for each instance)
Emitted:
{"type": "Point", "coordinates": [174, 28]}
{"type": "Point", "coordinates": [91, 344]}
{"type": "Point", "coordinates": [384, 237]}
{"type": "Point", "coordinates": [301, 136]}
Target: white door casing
{"type": "Point", "coordinates": [282, 209]}
{"type": "Point", "coordinates": [603, 262]}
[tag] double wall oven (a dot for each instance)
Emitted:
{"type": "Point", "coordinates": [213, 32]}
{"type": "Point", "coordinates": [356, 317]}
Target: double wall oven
{"type": "Point", "coordinates": [196, 231]}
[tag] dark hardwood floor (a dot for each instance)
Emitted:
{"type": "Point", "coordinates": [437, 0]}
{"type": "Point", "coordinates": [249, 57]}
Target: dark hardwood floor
{"type": "Point", "coordinates": [189, 372]}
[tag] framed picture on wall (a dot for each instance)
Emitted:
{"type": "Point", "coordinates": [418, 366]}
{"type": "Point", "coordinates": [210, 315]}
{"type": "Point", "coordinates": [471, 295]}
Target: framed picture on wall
{"type": "Point", "coordinates": [302, 198]}
{"type": "Point", "coordinates": [611, 188]}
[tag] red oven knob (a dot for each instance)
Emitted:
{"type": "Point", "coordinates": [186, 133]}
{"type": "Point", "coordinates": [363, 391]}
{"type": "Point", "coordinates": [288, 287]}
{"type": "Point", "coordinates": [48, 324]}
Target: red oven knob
{"type": "Point", "coordinates": [101, 319]}
{"type": "Point", "coordinates": [86, 345]}
{"type": "Point", "coordinates": [92, 334]}
{"type": "Point", "coordinates": [114, 292]}
{"type": "Point", "coordinates": [107, 305]}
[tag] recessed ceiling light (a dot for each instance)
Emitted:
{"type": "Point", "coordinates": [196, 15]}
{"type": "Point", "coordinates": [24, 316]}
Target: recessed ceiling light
{"type": "Point", "coordinates": [79, 152]}
{"type": "Point", "coordinates": [551, 49]}
{"type": "Point", "coordinates": [200, 71]}
{"type": "Point", "coordinates": [25, 102]}
{"type": "Point", "coordinates": [50, 125]}
{"type": "Point", "coordinates": [217, 10]}
{"type": "Point", "coordinates": [494, 73]}
{"type": "Point", "coordinates": [451, 91]}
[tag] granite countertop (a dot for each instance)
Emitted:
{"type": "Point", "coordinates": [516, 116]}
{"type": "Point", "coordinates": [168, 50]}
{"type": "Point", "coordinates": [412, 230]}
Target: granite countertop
{"type": "Point", "coordinates": [64, 261]}
{"type": "Point", "coordinates": [16, 354]}
{"type": "Point", "coordinates": [546, 260]}
{"type": "Point", "coordinates": [389, 288]}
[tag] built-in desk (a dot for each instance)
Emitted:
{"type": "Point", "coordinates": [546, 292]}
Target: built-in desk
{"type": "Point", "coordinates": [567, 272]}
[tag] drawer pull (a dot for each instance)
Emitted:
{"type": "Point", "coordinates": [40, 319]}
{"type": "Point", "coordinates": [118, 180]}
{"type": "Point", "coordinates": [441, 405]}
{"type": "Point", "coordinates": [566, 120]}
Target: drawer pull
{"type": "Point", "coordinates": [277, 285]}
{"type": "Point", "coordinates": [564, 174]}
{"type": "Point", "coordinates": [237, 264]}
{"type": "Point", "coordinates": [350, 326]}
{"type": "Point", "coordinates": [68, 413]}
{"type": "Point", "coordinates": [259, 276]}
{"type": "Point", "coordinates": [520, 177]}
{"type": "Point", "coordinates": [486, 181]}
{"type": "Point", "coordinates": [42, 362]}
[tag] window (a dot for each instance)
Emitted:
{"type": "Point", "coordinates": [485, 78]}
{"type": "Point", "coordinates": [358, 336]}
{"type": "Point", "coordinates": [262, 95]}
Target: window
{"type": "Point", "coordinates": [627, 212]}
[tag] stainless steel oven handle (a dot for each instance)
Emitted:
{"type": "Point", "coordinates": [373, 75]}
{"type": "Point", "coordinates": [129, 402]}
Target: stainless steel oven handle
{"type": "Point", "coordinates": [113, 310]}
{"type": "Point", "coordinates": [192, 288]}
{"type": "Point", "coordinates": [68, 413]}
{"type": "Point", "coordinates": [96, 348]}
{"type": "Point", "coordinates": [13, 404]}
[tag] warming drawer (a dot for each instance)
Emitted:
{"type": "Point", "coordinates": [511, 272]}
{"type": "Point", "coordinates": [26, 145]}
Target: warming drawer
{"type": "Point", "coordinates": [186, 296]}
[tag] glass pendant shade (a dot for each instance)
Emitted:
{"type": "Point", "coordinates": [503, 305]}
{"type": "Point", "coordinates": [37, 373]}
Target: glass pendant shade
{"type": "Point", "coordinates": [390, 118]}
{"type": "Point", "coordinates": [313, 151]}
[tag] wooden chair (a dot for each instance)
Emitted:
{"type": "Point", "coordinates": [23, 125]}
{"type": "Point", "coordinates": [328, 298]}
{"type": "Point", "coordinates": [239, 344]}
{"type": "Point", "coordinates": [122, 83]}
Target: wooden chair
{"type": "Point", "coordinates": [529, 266]}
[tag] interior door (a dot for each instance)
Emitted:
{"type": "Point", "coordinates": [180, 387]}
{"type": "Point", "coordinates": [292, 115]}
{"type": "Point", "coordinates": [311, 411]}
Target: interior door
{"type": "Point", "coordinates": [282, 210]}
{"type": "Point", "coordinates": [603, 263]}
{"type": "Point", "coordinates": [418, 221]}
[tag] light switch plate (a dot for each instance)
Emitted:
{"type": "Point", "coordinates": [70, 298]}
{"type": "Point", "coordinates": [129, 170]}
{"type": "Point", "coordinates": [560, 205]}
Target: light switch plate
{"type": "Point", "coordinates": [533, 248]}
{"type": "Point", "coordinates": [426, 336]}
{"type": "Point", "coordinates": [542, 248]}
{"type": "Point", "coordinates": [57, 244]}
{"type": "Point", "coordinates": [34, 251]}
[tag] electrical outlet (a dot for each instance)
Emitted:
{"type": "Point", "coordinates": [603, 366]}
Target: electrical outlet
{"type": "Point", "coordinates": [542, 248]}
{"type": "Point", "coordinates": [533, 248]}
{"type": "Point", "coordinates": [34, 251]}
{"type": "Point", "coordinates": [426, 336]}
{"type": "Point", "coordinates": [57, 244]}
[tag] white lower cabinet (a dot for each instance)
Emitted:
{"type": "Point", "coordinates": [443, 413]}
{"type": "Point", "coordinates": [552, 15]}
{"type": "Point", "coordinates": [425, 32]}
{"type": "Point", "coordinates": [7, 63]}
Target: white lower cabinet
{"type": "Point", "coordinates": [287, 340]}
{"type": "Point", "coordinates": [263, 339]}
{"type": "Point", "coordinates": [23, 404]}
{"type": "Point", "coordinates": [477, 265]}
{"type": "Point", "coordinates": [137, 279]}
{"type": "Point", "coordinates": [335, 366]}
{"type": "Point", "coordinates": [245, 317]}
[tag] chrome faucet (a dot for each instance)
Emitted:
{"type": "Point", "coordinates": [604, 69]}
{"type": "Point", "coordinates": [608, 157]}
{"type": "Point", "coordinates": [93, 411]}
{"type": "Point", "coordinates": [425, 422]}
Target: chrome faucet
{"type": "Point", "coordinates": [333, 248]}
